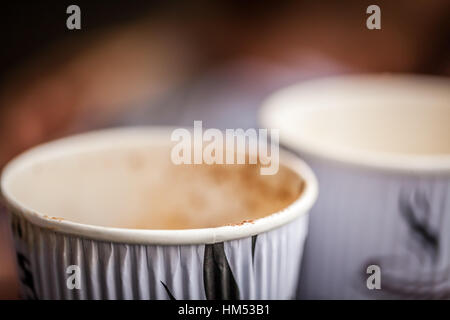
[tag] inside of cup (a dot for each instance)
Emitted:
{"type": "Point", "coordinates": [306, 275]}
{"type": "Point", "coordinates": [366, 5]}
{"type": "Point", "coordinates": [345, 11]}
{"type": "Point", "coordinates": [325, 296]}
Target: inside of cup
{"type": "Point", "coordinates": [138, 186]}
{"type": "Point", "coordinates": [365, 115]}
{"type": "Point", "coordinates": [382, 128]}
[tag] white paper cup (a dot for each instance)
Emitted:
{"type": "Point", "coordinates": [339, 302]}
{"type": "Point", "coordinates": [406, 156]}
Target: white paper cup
{"type": "Point", "coordinates": [257, 260]}
{"type": "Point", "coordinates": [380, 146]}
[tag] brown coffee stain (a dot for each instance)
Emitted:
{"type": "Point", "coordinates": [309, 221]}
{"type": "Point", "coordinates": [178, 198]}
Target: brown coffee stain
{"type": "Point", "coordinates": [207, 196]}
{"type": "Point", "coordinates": [53, 218]}
{"type": "Point", "coordinates": [242, 222]}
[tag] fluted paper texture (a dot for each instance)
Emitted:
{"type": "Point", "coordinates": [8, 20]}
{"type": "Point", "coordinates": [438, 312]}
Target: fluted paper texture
{"type": "Point", "coordinates": [399, 221]}
{"type": "Point", "coordinates": [264, 266]}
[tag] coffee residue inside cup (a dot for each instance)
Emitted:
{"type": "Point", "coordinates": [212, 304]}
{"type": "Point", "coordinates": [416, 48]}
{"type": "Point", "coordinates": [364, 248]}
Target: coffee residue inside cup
{"type": "Point", "coordinates": [142, 189]}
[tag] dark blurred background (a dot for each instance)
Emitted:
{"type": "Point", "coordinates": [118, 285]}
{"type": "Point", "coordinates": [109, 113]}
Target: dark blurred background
{"type": "Point", "coordinates": [173, 62]}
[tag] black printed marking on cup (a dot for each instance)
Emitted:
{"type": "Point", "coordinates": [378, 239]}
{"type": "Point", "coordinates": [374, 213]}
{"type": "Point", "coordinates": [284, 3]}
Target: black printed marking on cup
{"type": "Point", "coordinates": [26, 277]}
{"type": "Point", "coordinates": [23, 263]}
{"type": "Point", "coordinates": [171, 297]}
{"type": "Point", "coordinates": [218, 279]}
{"type": "Point", "coordinates": [254, 247]}
{"type": "Point", "coordinates": [428, 284]}
{"type": "Point", "coordinates": [415, 209]}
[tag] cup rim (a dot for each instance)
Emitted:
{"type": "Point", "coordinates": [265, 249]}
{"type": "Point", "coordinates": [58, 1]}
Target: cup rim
{"type": "Point", "coordinates": [384, 161]}
{"type": "Point", "coordinates": [101, 138]}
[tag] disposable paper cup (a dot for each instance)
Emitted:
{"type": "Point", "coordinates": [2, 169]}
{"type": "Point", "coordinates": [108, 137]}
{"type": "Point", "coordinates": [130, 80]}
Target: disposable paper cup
{"type": "Point", "coordinates": [380, 146]}
{"type": "Point", "coordinates": [253, 260]}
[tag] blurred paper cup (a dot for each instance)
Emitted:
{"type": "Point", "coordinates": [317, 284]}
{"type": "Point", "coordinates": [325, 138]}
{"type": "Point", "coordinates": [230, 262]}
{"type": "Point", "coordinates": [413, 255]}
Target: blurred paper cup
{"type": "Point", "coordinates": [380, 146]}
{"type": "Point", "coordinates": [86, 215]}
